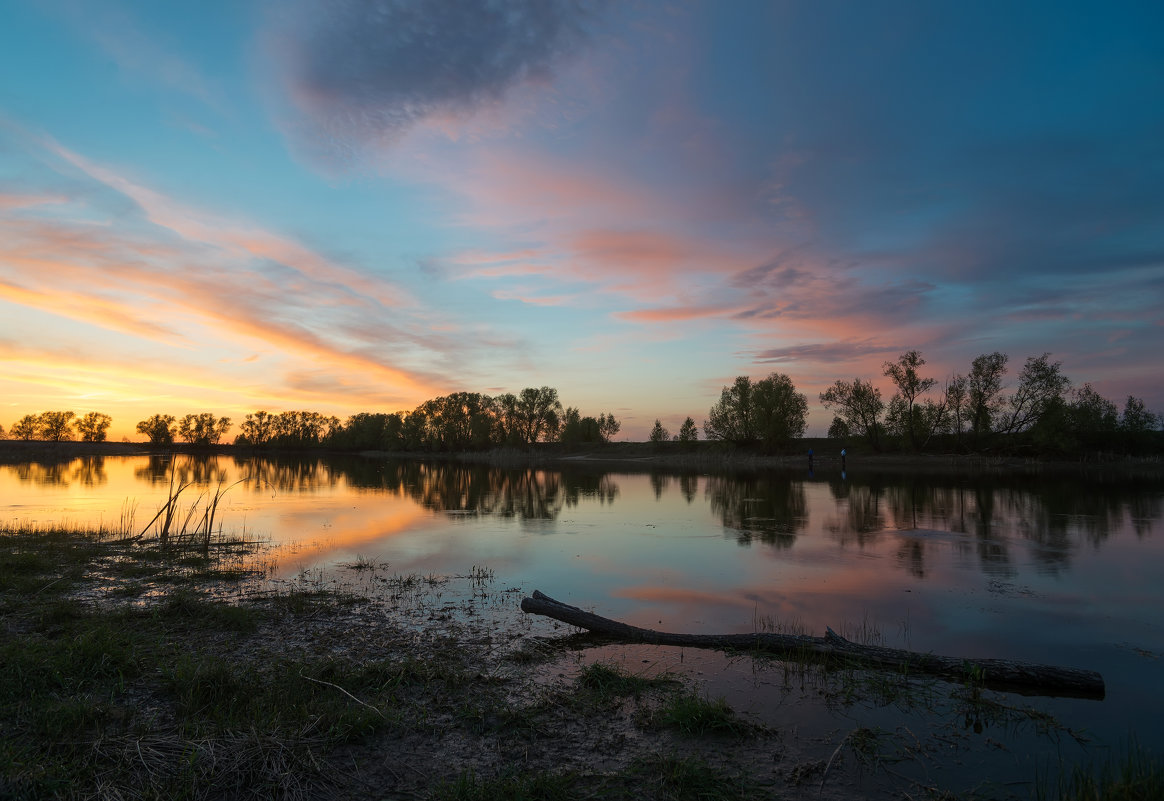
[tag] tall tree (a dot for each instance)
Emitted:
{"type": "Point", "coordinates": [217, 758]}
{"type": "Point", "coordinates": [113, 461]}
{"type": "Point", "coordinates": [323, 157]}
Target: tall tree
{"type": "Point", "coordinates": [1041, 388]}
{"type": "Point", "coordinates": [769, 410]}
{"type": "Point", "coordinates": [256, 429]}
{"type": "Point", "coordinates": [26, 428]}
{"type": "Point", "coordinates": [159, 429]}
{"type": "Point", "coordinates": [56, 426]}
{"type": "Point", "coordinates": [730, 419]}
{"type": "Point", "coordinates": [910, 387]}
{"type": "Point", "coordinates": [1136, 418]}
{"type": "Point", "coordinates": [608, 426]}
{"type": "Point", "coordinates": [659, 433]}
{"type": "Point", "coordinates": [203, 429]}
{"type": "Point", "coordinates": [1091, 413]}
{"type": "Point", "coordinates": [688, 432]}
{"type": "Point", "coordinates": [779, 413]}
{"type": "Point", "coordinates": [957, 405]}
{"type": "Point", "coordinates": [538, 413]}
{"type": "Point", "coordinates": [859, 404]}
{"type": "Point", "coordinates": [984, 390]}
{"type": "Point", "coordinates": [93, 426]}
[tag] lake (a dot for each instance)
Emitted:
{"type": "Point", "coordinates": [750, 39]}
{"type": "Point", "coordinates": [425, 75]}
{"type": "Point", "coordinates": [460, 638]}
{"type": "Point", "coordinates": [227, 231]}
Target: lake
{"type": "Point", "coordinates": [1062, 568]}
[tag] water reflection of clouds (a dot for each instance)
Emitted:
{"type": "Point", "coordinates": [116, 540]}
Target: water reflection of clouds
{"type": "Point", "coordinates": [1004, 520]}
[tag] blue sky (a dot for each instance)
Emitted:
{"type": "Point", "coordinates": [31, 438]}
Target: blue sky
{"type": "Point", "coordinates": [345, 206]}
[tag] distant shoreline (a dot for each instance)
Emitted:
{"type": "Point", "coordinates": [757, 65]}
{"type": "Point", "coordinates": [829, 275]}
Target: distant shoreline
{"type": "Point", "coordinates": [620, 455]}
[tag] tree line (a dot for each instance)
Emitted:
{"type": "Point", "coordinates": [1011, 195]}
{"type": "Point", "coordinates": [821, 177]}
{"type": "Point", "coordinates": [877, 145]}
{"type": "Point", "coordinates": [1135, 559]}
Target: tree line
{"type": "Point", "coordinates": [974, 412]}
{"type": "Point", "coordinates": [970, 413]}
{"type": "Point", "coordinates": [462, 421]}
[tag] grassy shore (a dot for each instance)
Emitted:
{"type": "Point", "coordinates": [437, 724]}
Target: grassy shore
{"type": "Point", "coordinates": [140, 669]}
{"type": "Point", "coordinates": [147, 668]}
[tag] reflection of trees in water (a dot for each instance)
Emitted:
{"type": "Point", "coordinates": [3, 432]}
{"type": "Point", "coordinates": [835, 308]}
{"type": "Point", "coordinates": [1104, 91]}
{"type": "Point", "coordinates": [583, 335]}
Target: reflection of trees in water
{"type": "Point", "coordinates": [1144, 510]}
{"type": "Point", "coordinates": [287, 475]}
{"type": "Point", "coordinates": [688, 484]}
{"type": "Point", "coordinates": [482, 490]}
{"type": "Point", "coordinates": [1053, 514]}
{"type": "Point", "coordinates": [36, 473]}
{"type": "Point", "coordinates": [659, 482]}
{"type": "Point", "coordinates": [863, 523]}
{"type": "Point", "coordinates": [90, 471]}
{"type": "Point", "coordinates": [771, 509]}
{"type": "Point", "coordinates": [184, 469]}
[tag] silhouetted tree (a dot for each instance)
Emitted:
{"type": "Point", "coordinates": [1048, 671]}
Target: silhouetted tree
{"type": "Point", "coordinates": [1136, 419]}
{"type": "Point", "coordinates": [577, 430]}
{"type": "Point", "coordinates": [159, 429]}
{"type": "Point", "coordinates": [906, 414]}
{"type": "Point", "coordinates": [55, 426]}
{"type": "Point", "coordinates": [366, 432]}
{"type": "Point", "coordinates": [859, 404]}
{"type": "Point", "coordinates": [1091, 413]}
{"type": "Point", "coordinates": [26, 427]}
{"type": "Point", "coordinates": [536, 414]}
{"type": "Point", "coordinates": [659, 433]}
{"type": "Point", "coordinates": [203, 429]}
{"type": "Point", "coordinates": [769, 410]}
{"type": "Point", "coordinates": [984, 389]}
{"type": "Point", "coordinates": [93, 426]}
{"type": "Point", "coordinates": [839, 429]}
{"type": "Point", "coordinates": [1041, 389]}
{"type": "Point", "coordinates": [256, 429]}
{"type": "Point", "coordinates": [688, 432]}
{"type": "Point", "coordinates": [505, 425]}
{"type": "Point", "coordinates": [957, 406]}
{"type": "Point", "coordinates": [608, 426]}
{"type": "Point", "coordinates": [300, 429]}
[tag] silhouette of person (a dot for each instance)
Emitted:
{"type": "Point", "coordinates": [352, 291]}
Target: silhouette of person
{"type": "Point", "coordinates": [842, 459]}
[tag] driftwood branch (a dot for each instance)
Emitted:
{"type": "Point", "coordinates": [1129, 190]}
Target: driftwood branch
{"type": "Point", "coordinates": [1003, 674]}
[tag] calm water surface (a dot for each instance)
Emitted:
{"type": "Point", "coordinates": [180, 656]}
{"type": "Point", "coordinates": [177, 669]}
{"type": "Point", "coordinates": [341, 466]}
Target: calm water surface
{"type": "Point", "coordinates": [1064, 570]}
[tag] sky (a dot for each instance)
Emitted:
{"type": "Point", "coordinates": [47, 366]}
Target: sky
{"type": "Point", "coordinates": [345, 206]}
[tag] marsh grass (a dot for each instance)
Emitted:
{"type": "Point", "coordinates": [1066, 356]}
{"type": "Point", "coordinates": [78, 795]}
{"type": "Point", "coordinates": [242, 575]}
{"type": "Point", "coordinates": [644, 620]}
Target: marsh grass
{"type": "Point", "coordinates": [1133, 775]}
{"type": "Point", "coordinates": [692, 714]}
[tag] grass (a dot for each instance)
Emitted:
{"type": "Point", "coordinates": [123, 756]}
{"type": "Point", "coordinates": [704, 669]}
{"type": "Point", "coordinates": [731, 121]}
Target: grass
{"type": "Point", "coordinates": [1134, 775]}
{"type": "Point", "coordinates": [130, 677]}
{"type": "Point", "coordinates": [127, 675]}
{"type": "Point", "coordinates": [694, 715]}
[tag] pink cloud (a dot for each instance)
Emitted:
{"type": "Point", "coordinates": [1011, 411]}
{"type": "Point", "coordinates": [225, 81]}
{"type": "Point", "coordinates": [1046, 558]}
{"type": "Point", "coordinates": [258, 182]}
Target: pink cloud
{"type": "Point", "coordinates": [529, 298]}
{"type": "Point", "coordinates": [674, 314]}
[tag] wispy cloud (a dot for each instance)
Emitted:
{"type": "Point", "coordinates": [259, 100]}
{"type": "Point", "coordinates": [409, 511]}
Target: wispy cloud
{"type": "Point", "coordinates": [177, 276]}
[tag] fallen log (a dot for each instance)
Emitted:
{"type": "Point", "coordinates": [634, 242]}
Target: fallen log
{"type": "Point", "coordinates": [1001, 674]}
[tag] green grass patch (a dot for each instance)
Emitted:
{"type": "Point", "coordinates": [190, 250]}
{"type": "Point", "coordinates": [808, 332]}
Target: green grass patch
{"type": "Point", "coordinates": [694, 715]}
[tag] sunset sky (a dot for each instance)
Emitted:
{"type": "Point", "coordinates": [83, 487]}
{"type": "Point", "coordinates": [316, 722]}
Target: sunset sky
{"type": "Point", "coordinates": [349, 206]}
